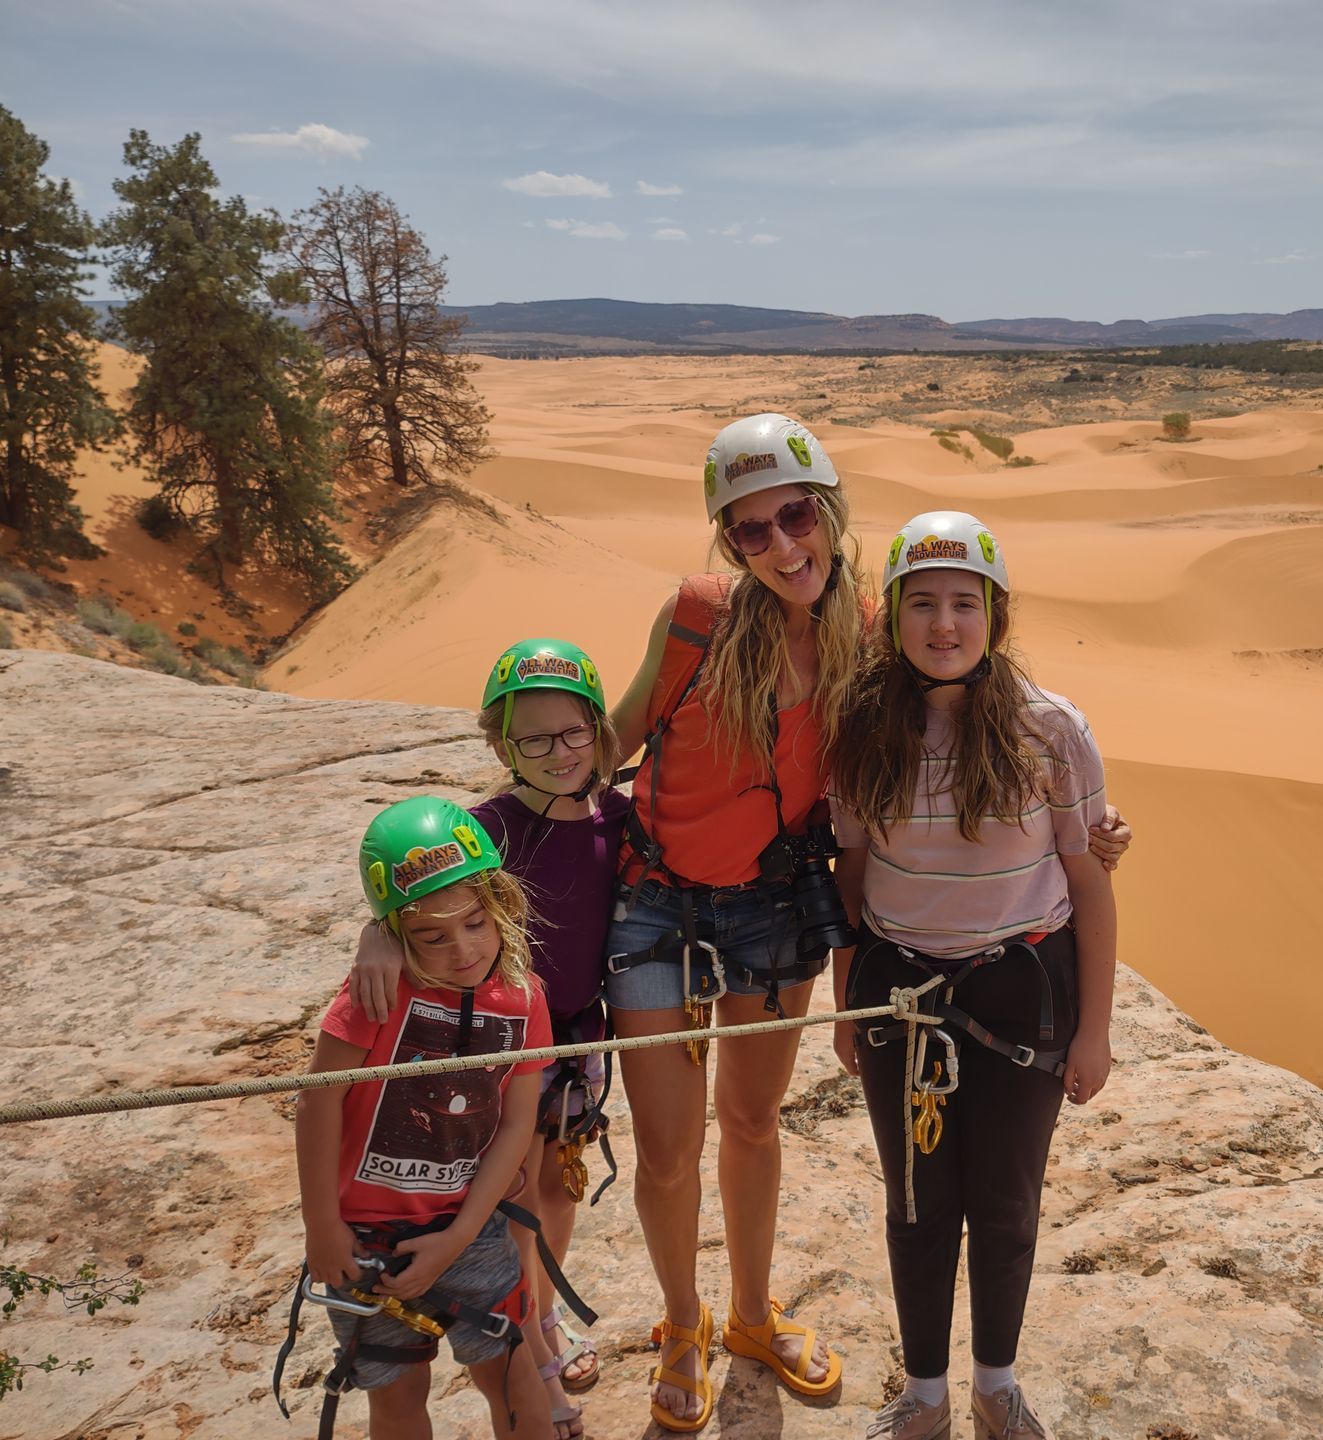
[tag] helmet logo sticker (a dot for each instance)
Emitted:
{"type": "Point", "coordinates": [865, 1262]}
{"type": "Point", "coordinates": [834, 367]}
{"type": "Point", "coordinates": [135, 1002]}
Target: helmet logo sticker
{"type": "Point", "coordinates": [932, 547]}
{"type": "Point", "coordinates": [745, 464]}
{"type": "Point", "coordinates": [531, 665]}
{"type": "Point", "coordinates": [710, 477]}
{"type": "Point", "coordinates": [421, 864]}
{"type": "Point", "coordinates": [799, 449]}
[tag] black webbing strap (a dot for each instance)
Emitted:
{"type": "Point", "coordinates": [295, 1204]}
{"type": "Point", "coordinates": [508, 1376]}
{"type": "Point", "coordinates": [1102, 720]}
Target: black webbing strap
{"type": "Point", "coordinates": [562, 1286]}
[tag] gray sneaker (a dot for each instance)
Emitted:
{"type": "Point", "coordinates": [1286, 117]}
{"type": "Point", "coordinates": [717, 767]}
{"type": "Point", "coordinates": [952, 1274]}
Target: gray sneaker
{"type": "Point", "coordinates": [906, 1419]}
{"type": "Point", "coordinates": [1007, 1415]}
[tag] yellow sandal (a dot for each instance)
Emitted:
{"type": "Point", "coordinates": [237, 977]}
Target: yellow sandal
{"type": "Point", "coordinates": [699, 1339]}
{"type": "Point", "coordinates": [754, 1342]}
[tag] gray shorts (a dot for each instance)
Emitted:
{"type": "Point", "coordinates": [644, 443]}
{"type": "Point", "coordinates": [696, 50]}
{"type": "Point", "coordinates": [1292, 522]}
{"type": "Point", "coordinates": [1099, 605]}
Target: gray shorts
{"type": "Point", "coordinates": [482, 1277]}
{"type": "Point", "coordinates": [751, 929]}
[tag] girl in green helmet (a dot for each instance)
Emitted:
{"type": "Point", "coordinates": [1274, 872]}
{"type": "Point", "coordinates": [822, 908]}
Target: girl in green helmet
{"type": "Point", "coordinates": [558, 823]}
{"type": "Point", "coordinates": [417, 1168]}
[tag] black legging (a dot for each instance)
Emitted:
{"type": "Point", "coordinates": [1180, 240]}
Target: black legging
{"type": "Point", "coordinates": [987, 1170]}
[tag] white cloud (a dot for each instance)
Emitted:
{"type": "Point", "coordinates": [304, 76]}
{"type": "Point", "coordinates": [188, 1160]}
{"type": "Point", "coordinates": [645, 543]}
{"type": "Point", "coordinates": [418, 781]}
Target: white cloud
{"type": "Point", "coordinates": [730, 232]}
{"type": "Point", "coordinates": [1184, 255]}
{"type": "Point", "coordinates": [641, 187]}
{"type": "Point", "coordinates": [762, 238]}
{"type": "Point", "coordinates": [321, 140]}
{"type": "Point", "coordinates": [544, 185]}
{"type": "Point", "coordinates": [589, 230]}
{"type": "Point", "coordinates": [670, 233]}
{"type": "Point", "coordinates": [1295, 257]}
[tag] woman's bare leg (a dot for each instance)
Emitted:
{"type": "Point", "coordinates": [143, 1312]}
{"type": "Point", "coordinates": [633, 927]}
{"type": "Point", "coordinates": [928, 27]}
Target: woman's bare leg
{"type": "Point", "coordinates": [753, 1074]}
{"type": "Point", "coordinates": [667, 1096]}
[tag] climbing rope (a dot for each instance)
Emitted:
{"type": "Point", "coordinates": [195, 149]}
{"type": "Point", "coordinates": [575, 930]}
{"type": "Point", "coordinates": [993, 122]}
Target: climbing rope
{"type": "Point", "coordinates": [27, 1112]}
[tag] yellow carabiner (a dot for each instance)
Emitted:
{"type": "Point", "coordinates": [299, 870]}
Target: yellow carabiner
{"type": "Point", "coordinates": [928, 1122]}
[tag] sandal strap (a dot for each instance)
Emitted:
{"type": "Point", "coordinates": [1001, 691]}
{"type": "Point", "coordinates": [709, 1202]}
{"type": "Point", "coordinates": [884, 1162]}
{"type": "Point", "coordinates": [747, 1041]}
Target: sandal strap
{"type": "Point", "coordinates": [554, 1316]}
{"type": "Point", "coordinates": [690, 1384]}
{"type": "Point", "coordinates": [551, 1370]}
{"type": "Point", "coordinates": [777, 1324]}
{"type": "Point", "coordinates": [668, 1330]}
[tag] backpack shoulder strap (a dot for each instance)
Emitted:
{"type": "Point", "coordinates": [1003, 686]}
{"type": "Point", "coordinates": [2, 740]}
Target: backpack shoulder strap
{"type": "Point", "coordinates": [700, 600]}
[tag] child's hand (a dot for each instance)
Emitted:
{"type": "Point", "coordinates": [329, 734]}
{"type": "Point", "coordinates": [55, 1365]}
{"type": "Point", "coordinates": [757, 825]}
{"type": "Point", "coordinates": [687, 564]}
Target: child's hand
{"type": "Point", "coordinates": [376, 973]}
{"type": "Point", "coordinates": [1088, 1064]}
{"type": "Point", "coordinates": [843, 1042]}
{"type": "Point", "coordinates": [432, 1255]}
{"type": "Point", "coordinates": [330, 1251]}
{"type": "Point", "coordinates": [1110, 840]}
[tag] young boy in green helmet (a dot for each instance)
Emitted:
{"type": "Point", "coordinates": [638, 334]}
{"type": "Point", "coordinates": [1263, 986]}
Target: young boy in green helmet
{"type": "Point", "coordinates": [413, 1170]}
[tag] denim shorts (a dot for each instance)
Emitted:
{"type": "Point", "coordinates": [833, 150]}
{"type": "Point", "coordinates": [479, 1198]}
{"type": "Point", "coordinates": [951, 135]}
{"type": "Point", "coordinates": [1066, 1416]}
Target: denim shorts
{"type": "Point", "coordinates": [482, 1276]}
{"type": "Point", "coordinates": [751, 928]}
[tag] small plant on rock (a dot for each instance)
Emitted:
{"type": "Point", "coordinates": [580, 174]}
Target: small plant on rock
{"type": "Point", "coordinates": [1176, 426]}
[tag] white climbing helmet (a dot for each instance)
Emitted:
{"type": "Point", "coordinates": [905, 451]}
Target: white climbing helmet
{"type": "Point", "coordinates": [761, 452]}
{"type": "Point", "coordinates": [944, 540]}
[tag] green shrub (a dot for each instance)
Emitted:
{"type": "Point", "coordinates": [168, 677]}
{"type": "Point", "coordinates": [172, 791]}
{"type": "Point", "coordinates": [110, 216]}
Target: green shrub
{"type": "Point", "coordinates": [30, 584]}
{"type": "Point", "coordinates": [165, 658]}
{"type": "Point", "coordinates": [1176, 426]}
{"type": "Point", "coordinates": [159, 518]}
{"type": "Point", "coordinates": [1017, 462]}
{"type": "Point", "coordinates": [999, 445]}
{"type": "Point", "coordinates": [949, 442]}
{"type": "Point", "coordinates": [228, 658]}
{"type": "Point", "coordinates": [11, 597]}
{"type": "Point", "coordinates": [142, 636]}
{"type": "Point", "coordinates": [6, 637]}
{"type": "Point", "coordinates": [187, 627]}
{"type": "Point", "coordinates": [106, 619]}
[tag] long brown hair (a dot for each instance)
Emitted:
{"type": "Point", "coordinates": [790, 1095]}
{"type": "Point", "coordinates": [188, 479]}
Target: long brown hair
{"type": "Point", "coordinates": [751, 650]}
{"type": "Point", "coordinates": [998, 754]}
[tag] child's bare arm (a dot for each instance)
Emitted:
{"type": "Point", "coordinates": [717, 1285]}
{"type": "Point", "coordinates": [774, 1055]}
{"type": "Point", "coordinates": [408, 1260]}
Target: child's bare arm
{"type": "Point", "coordinates": [317, 1125]}
{"type": "Point", "coordinates": [1089, 1060]}
{"type": "Point", "coordinates": [434, 1254]}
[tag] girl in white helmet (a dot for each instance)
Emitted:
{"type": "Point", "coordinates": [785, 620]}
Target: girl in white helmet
{"type": "Point", "coordinates": [739, 701]}
{"type": "Point", "coordinates": [963, 796]}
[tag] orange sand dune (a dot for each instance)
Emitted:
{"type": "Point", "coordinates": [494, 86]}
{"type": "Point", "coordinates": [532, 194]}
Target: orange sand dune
{"type": "Point", "coordinates": [1141, 569]}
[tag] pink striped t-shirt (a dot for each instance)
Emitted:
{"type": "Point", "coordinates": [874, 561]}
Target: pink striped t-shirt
{"type": "Point", "coordinates": [929, 889]}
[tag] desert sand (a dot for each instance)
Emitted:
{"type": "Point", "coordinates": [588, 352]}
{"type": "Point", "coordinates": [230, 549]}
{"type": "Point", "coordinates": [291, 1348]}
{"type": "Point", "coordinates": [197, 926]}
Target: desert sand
{"type": "Point", "coordinates": [1173, 591]}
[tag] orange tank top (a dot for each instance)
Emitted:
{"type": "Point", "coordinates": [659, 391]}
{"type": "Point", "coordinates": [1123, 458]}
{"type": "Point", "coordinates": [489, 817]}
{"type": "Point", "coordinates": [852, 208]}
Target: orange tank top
{"type": "Point", "coordinates": [711, 818]}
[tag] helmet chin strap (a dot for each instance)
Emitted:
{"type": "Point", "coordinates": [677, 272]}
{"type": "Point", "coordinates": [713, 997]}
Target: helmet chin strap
{"type": "Point", "coordinates": [927, 683]}
{"type": "Point", "coordinates": [582, 793]}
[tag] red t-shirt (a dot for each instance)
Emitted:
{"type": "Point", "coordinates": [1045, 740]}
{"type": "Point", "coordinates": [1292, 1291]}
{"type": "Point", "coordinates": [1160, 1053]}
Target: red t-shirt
{"type": "Point", "coordinates": [409, 1149]}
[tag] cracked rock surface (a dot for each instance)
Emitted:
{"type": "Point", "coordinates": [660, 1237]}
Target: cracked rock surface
{"type": "Point", "coordinates": [181, 900]}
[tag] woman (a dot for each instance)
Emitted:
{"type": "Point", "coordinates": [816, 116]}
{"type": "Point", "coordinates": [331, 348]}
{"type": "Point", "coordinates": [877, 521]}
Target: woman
{"type": "Point", "coordinates": [963, 796]}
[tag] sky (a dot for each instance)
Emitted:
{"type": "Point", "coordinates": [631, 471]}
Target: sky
{"type": "Point", "coordinates": [971, 159]}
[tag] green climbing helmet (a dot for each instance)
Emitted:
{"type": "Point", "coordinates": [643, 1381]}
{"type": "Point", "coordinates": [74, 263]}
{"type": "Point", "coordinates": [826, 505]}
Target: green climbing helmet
{"type": "Point", "coordinates": [544, 665]}
{"type": "Point", "coordinates": [418, 846]}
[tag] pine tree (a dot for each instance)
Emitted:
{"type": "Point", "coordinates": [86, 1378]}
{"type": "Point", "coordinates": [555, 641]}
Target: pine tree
{"type": "Point", "coordinates": [401, 392]}
{"type": "Point", "coordinates": [227, 414]}
{"type": "Point", "coordinates": [49, 404]}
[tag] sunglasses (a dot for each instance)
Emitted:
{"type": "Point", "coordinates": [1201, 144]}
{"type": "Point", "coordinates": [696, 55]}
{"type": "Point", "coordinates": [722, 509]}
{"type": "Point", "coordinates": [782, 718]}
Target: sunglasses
{"type": "Point", "coordinates": [534, 747]}
{"type": "Point", "coordinates": [797, 518]}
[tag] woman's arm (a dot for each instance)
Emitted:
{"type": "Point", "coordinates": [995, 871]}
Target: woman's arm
{"type": "Point", "coordinates": [318, 1117]}
{"type": "Point", "coordinates": [849, 871]}
{"type": "Point", "coordinates": [1089, 1059]}
{"type": "Point", "coordinates": [375, 975]}
{"type": "Point", "coordinates": [435, 1254]}
{"type": "Point", "coordinates": [630, 716]}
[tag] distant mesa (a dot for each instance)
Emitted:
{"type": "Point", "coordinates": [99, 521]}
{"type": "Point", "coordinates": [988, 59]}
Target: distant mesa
{"type": "Point", "coordinates": [616, 327]}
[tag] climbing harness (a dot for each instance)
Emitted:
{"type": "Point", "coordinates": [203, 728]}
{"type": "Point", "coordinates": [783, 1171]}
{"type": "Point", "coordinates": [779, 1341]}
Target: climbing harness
{"type": "Point", "coordinates": [573, 1133]}
{"type": "Point", "coordinates": [431, 1316]}
{"type": "Point", "coordinates": [913, 1020]}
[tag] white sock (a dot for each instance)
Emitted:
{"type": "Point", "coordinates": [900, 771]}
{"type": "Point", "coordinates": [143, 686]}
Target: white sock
{"type": "Point", "coordinates": [989, 1379]}
{"type": "Point", "coordinates": [926, 1392]}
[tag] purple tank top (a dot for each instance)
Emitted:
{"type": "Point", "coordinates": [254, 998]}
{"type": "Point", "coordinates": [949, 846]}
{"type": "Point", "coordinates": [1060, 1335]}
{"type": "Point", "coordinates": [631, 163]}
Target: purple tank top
{"type": "Point", "coordinates": [568, 869]}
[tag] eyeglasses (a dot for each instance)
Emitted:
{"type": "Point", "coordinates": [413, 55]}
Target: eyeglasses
{"type": "Point", "coordinates": [534, 747]}
{"type": "Point", "coordinates": [797, 518]}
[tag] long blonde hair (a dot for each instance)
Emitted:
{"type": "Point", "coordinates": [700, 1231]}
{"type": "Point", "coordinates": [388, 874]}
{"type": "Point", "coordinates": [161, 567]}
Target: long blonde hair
{"type": "Point", "coordinates": [999, 755]}
{"type": "Point", "coordinates": [503, 898]}
{"type": "Point", "coordinates": [751, 650]}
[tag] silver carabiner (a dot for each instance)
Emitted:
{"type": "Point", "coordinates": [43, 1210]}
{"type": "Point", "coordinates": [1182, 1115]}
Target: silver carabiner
{"type": "Point", "coordinates": [718, 974]}
{"type": "Point", "coordinates": [336, 1302]}
{"type": "Point", "coordinates": [930, 1087]}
